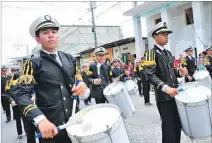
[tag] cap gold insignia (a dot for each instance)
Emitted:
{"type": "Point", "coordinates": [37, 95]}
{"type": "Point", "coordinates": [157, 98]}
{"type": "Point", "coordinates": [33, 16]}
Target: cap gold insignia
{"type": "Point", "coordinates": [165, 25]}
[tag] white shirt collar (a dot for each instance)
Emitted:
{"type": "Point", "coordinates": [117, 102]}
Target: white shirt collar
{"type": "Point", "coordinates": [189, 56]}
{"type": "Point", "coordinates": [47, 52]}
{"type": "Point", "coordinates": [159, 46]}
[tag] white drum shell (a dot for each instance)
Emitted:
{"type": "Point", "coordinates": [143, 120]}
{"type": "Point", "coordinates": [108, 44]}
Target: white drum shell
{"type": "Point", "coordinates": [203, 76]}
{"type": "Point", "coordinates": [196, 118]}
{"type": "Point", "coordinates": [131, 86]}
{"type": "Point", "coordinates": [121, 99]}
{"type": "Point", "coordinates": [118, 131]}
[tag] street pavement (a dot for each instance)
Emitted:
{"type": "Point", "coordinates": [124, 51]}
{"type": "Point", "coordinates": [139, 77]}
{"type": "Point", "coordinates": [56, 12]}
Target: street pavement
{"type": "Point", "coordinates": [144, 126]}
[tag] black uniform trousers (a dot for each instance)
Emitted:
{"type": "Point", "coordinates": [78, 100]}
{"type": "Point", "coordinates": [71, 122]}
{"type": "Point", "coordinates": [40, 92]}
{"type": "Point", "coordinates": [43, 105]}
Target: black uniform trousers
{"type": "Point", "coordinates": [6, 105]}
{"type": "Point", "coordinates": [146, 89]}
{"type": "Point", "coordinates": [30, 131]}
{"type": "Point", "coordinates": [18, 116]}
{"type": "Point", "coordinates": [139, 86]}
{"type": "Point", "coordinates": [171, 125]}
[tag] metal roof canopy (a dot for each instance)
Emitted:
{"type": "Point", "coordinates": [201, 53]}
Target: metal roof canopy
{"type": "Point", "coordinates": [150, 8]}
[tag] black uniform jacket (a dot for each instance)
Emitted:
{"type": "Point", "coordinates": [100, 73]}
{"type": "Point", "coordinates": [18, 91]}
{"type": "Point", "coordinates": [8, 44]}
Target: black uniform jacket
{"type": "Point", "coordinates": [117, 72]}
{"type": "Point", "coordinates": [97, 90]}
{"type": "Point", "coordinates": [53, 88]}
{"type": "Point", "coordinates": [191, 67]}
{"type": "Point", "coordinates": [140, 72]}
{"type": "Point", "coordinates": [161, 73]}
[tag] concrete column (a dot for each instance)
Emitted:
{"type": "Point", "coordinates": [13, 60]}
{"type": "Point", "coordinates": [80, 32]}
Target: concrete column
{"type": "Point", "coordinates": [165, 18]}
{"type": "Point", "coordinates": [139, 42]}
{"type": "Point", "coordinates": [198, 16]}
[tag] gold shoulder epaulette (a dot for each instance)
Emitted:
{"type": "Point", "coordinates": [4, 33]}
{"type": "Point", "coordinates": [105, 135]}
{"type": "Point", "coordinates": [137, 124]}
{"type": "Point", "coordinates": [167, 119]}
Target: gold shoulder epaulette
{"type": "Point", "coordinates": [206, 61]}
{"type": "Point", "coordinates": [89, 73]}
{"type": "Point", "coordinates": [184, 61]}
{"type": "Point", "coordinates": [141, 68]}
{"type": "Point", "coordinates": [26, 76]}
{"type": "Point", "coordinates": [150, 58]}
{"type": "Point", "coordinates": [111, 73]}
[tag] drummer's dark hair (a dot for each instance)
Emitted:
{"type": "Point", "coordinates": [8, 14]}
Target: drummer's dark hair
{"type": "Point", "coordinates": [38, 32]}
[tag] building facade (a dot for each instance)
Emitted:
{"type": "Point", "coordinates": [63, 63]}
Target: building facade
{"type": "Point", "coordinates": [190, 21]}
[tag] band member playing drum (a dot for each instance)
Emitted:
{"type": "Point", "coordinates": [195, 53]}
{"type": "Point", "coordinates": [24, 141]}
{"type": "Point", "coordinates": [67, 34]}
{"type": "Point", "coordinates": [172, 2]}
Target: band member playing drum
{"type": "Point", "coordinates": [160, 73]}
{"type": "Point", "coordinates": [117, 71]}
{"type": "Point", "coordinates": [52, 76]}
{"type": "Point", "coordinates": [189, 63]}
{"type": "Point", "coordinates": [99, 75]}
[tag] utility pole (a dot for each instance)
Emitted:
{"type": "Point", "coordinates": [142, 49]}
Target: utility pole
{"type": "Point", "coordinates": [92, 5]}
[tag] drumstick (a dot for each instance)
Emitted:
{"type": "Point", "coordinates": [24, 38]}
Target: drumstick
{"type": "Point", "coordinates": [184, 88]}
{"type": "Point", "coordinates": [75, 100]}
{"type": "Point", "coordinates": [61, 127]}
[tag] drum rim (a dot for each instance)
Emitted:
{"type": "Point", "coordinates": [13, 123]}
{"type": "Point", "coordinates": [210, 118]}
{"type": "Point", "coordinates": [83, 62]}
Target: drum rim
{"type": "Point", "coordinates": [199, 102]}
{"type": "Point", "coordinates": [101, 134]}
{"type": "Point", "coordinates": [117, 92]}
{"type": "Point", "coordinates": [200, 71]}
{"type": "Point", "coordinates": [194, 104]}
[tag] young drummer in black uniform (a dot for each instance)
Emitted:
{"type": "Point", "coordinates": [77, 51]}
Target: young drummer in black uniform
{"type": "Point", "coordinates": [118, 71]}
{"type": "Point", "coordinates": [52, 76]}
{"type": "Point", "coordinates": [99, 75]}
{"type": "Point", "coordinates": [189, 63]}
{"type": "Point", "coordinates": [160, 73]}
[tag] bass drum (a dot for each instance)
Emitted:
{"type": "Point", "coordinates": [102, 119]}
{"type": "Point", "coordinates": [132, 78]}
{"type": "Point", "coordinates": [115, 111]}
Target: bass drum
{"type": "Point", "coordinates": [203, 76]}
{"type": "Point", "coordinates": [194, 107]}
{"type": "Point", "coordinates": [116, 93]}
{"type": "Point", "coordinates": [102, 123]}
{"type": "Point", "coordinates": [131, 86]}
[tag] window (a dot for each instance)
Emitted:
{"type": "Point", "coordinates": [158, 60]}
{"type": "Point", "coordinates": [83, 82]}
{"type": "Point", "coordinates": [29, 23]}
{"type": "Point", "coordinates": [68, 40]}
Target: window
{"type": "Point", "coordinates": [125, 48]}
{"type": "Point", "coordinates": [157, 21]}
{"type": "Point", "coordinates": [189, 16]}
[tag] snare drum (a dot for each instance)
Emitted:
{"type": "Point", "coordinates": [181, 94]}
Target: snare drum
{"type": "Point", "coordinates": [203, 76]}
{"type": "Point", "coordinates": [131, 86]}
{"type": "Point", "coordinates": [194, 107]}
{"type": "Point", "coordinates": [102, 123]}
{"type": "Point", "coordinates": [116, 93]}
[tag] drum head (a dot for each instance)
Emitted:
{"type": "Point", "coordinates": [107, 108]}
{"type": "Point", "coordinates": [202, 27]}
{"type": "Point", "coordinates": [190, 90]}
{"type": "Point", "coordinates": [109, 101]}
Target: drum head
{"type": "Point", "coordinates": [193, 92]}
{"type": "Point", "coordinates": [113, 88]}
{"type": "Point", "coordinates": [130, 85]}
{"type": "Point", "coordinates": [96, 118]}
{"type": "Point", "coordinates": [201, 74]}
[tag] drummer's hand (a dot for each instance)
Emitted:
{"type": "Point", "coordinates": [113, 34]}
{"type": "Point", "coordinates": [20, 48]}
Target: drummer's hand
{"type": "Point", "coordinates": [183, 71]}
{"type": "Point", "coordinates": [80, 89]}
{"type": "Point", "coordinates": [171, 91]}
{"type": "Point", "coordinates": [47, 129]}
{"type": "Point", "coordinates": [97, 81]}
{"type": "Point", "coordinates": [189, 78]}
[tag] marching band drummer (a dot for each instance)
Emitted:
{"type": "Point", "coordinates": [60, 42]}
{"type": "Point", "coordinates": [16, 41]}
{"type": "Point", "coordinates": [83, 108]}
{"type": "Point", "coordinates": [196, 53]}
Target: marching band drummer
{"type": "Point", "coordinates": [189, 63]}
{"type": "Point", "coordinates": [52, 76]}
{"type": "Point", "coordinates": [99, 75]}
{"type": "Point", "coordinates": [160, 73]}
{"type": "Point", "coordinates": [117, 70]}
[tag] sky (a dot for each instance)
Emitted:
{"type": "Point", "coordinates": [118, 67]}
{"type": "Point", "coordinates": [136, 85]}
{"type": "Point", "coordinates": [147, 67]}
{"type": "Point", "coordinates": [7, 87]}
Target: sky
{"type": "Point", "coordinates": [18, 16]}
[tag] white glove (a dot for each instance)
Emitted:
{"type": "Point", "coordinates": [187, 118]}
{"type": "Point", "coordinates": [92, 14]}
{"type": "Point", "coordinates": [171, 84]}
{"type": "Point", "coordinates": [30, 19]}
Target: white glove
{"type": "Point", "coordinates": [97, 81]}
{"type": "Point", "coordinates": [13, 103]}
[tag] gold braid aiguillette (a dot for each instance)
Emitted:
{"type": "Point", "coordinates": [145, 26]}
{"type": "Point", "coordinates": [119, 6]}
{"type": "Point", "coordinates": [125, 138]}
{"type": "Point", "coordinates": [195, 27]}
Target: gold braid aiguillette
{"type": "Point", "coordinates": [27, 74]}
